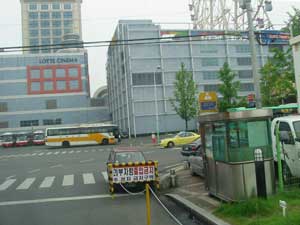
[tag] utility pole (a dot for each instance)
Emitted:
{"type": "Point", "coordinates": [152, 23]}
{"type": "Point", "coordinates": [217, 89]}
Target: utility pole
{"type": "Point", "coordinates": [246, 4]}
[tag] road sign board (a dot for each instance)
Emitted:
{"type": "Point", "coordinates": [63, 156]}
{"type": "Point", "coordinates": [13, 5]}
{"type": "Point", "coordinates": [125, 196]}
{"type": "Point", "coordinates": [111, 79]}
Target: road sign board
{"type": "Point", "coordinates": [208, 102]}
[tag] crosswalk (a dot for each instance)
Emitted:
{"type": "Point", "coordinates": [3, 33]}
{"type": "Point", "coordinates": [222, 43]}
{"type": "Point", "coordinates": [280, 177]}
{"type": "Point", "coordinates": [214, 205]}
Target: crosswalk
{"type": "Point", "coordinates": [44, 183]}
{"type": "Point", "coordinates": [52, 153]}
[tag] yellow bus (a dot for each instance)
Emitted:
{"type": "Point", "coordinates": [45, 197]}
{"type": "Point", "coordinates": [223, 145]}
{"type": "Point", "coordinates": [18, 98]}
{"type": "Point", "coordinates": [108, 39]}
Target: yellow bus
{"type": "Point", "coordinates": [86, 134]}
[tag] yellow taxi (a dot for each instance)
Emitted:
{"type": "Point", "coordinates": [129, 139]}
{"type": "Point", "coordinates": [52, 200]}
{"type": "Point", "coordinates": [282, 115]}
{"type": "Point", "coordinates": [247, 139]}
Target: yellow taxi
{"type": "Point", "coordinates": [182, 138]}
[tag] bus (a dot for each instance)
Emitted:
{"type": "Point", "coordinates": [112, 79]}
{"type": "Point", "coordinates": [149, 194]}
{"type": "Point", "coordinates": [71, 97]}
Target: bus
{"type": "Point", "coordinates": [85, 134]}
{"type": "Point", "coordinates": [8, 140]}
{"type": "Point", "coordinates": [38, 137]}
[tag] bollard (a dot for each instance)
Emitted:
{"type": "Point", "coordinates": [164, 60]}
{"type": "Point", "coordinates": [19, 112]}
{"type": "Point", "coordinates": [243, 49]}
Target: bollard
{"type": "Point", "coordinates": [173, 177]}
{"type": "Point", "coordinates": [283, 205]}
{"type": "Point", "coordinates": [260, 174]}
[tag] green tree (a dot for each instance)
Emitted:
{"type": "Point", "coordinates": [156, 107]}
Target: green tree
{"type": "Point", "coordinates": [185, 103]}
{"type": "Point", "coordinates": [278, 78]}
{"type": "Point", "coordinates": [293, 22]}
{"type": "Point", "coordinates": [228, 88]}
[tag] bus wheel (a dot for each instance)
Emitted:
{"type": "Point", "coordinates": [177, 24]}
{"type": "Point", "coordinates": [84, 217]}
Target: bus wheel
{"type": "Point", "coordinates": [66, 144]}
{"type": "Point", "coordinates": [105, 142]}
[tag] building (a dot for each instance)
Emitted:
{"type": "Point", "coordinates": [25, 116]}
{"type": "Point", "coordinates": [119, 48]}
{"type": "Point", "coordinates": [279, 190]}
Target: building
{"type": "Point", "coordinates": [45, 22]}
{"type": "Point", "coordinates": [41, 90]}
{"type": "Point", "coordinates": [132, 66]}
{"type": "Point", "coordinates": [100, 97]}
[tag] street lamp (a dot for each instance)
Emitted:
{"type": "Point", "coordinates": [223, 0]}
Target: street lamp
{"type": "Point", "coordinates": [156, 105]}
{"type": "Point", "coordinates": [246, 4]}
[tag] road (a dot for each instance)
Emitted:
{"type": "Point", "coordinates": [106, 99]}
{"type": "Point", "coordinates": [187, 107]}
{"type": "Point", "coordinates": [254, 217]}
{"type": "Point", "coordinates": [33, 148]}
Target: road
{"type": "Point", "coordinates": [39, 185]}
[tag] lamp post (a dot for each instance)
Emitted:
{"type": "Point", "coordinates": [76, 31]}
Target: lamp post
{"type": "Point", "coordinates": [156, 104]}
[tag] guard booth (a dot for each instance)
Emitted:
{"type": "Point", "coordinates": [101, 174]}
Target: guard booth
{"type": "Point", "coordinates": [229, 141]}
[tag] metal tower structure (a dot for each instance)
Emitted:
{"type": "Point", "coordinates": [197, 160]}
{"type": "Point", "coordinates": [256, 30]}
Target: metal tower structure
{"type": "Point", "coordinates": [227, 14]}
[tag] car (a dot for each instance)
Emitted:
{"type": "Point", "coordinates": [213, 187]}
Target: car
{"type": "Point", "coordinates": [126, 155]}
{"type": "Point", "coordinates": [196, 163]}
{"type": "Point", "coordinates": [182, 138]}
{"type": "Point", "coordinates": [192, 148]}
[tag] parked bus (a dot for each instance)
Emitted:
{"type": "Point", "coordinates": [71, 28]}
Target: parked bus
{"type": "Point", "coordinates": [8, 140]}
{"type": "Point", "coordinates": [85, 134]}
{"type": "Point", "coordinates": [21, 139]}
{"type": "Point", "coordinates": [38, 137]}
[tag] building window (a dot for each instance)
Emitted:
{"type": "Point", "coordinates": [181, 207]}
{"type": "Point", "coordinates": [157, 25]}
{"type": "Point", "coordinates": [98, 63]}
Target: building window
{"type": "Point", "coordinates": [46, 41]}
{"type": "Point", "coordinates": [244, 61]}
{"type": "Point", "coordinates": [68, 15]}
{"type": "Point", "coordinates": [55, 79]}
{"type": "Point", "coordinates": [29, 123]}
{"type": "Point", "coordinates": [210, 75]}
{"type": "Point", "coordinates": [146, 79]}
{"type": "Point", "coordinates": [57, 32]}
{"type": "Point", "coordinates": [68, 23]}
{"type": "Point", "coordinates": [208, 49]}
{"type": "Point", "coordinates": [33, 33]}
{"type": "Point", "coordinates": [34, 42]}
{"type": "Point", "coordinates": [68, 31]}
{"type": "Point", "coordinates": [3, 124]}
{"type": "Point", "coordinates": [45, 32]}
{"type": "Point", "coordinates": [33, 15]}
{"type": "Point", "coordinates": [244, 74]}
{"type": "Point", "coordinates": [51, 104]}
{"type": "Point", "coordinates": [45, 15]}
{"type": "Point", "coordinates": [67, 6]}
{"type": "Point", "coordinates": [3, 106]}
{"type": "Point", "coordinates": [45, 23]}
{"type": "Point", "coordinates": [210, 62]}
{"type": "Point", "coordinates": [56, 41]}
{"type": "Point", "coordinates": [56, 6]}
{"type": "Point", "coordinates": [52, 122]}
{"type": "Point", "coordinates": [211, 87]}
{"type": "Point", "coordinates": [33, 24]}
{"type": "Point", "coordinates": [56, 15]}
{"type": "Point", "coordinates": [246, 87]}
{"type": "Point", "coordinates": [44, 7]}
{"type": "Point", "coordinates": [56, 23]}
{"type": "Point", "coordinates": [32, 7]}
{"type": "Point", "coordinates": [242, 48]}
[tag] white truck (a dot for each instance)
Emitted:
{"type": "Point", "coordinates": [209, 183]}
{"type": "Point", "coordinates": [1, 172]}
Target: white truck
{"type": "Point", "coordinates": [289, 128]}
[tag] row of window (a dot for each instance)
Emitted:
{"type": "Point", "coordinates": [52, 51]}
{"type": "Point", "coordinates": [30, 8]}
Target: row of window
{"type": "Point", "coordinates": [50, 104]}
{"type": "Point", "coordinates": [82, 130]}
{"type": "Point", "coordinates": [47, 15]}
{"type": "Point", "coordinates": [243, 87]}
{"type": "Point", "coordinates": [214, 75]}
{"type": "Point", "coordinates": [47, 32]}
{"type": "Point", "coordinates": [244, 61]}
{"type": "Point", "coordinates": [53, 6]}
{"type": "Point", "coordinates": [44, 41]}
{"type": "Point", "coordinates": [34, 24]}
{"type": "Point", "coordinates": [32, 123]}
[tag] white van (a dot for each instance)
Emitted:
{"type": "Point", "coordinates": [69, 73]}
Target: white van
{"type": "Point", "coordinates": [289, 128]}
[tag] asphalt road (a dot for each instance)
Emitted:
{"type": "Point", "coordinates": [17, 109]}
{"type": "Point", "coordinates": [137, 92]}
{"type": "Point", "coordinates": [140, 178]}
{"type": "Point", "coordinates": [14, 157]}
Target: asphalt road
{"type": "Point", "coordinates": [39, 185]}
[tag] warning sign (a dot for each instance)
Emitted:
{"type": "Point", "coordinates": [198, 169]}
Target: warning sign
{"type": "Point", "coordinates": [139, 173]}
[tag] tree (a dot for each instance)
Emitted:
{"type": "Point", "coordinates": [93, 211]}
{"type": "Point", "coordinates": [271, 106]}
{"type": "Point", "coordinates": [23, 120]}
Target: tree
{"type": "Point", "coordinates": [278, 79]}
{"type": "Point", "coordinates": [185, 103]}
{"type": "Point", "coordinates": [228, 88]}
{"type": "Point", "coordinates": [293, 22]}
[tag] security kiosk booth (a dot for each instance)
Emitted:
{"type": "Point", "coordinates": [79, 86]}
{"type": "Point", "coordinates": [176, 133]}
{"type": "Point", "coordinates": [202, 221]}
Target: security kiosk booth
{"type": "Point", "coordinates": [230, 140]}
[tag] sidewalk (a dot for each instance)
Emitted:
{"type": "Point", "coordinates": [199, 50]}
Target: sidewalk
{"type": "Point", "coordinates": [191, 194]}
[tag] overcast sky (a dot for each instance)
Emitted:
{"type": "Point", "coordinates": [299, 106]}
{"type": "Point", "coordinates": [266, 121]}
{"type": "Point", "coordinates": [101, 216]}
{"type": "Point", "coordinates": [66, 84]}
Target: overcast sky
{"type": "Point", "coordinates": [100, 17]}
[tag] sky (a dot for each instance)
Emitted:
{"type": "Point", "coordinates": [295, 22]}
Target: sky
{"type": "Point", "coordinates": [100, 17]}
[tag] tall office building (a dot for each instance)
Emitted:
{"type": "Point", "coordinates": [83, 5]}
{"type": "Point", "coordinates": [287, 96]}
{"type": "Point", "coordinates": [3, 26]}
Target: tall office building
{"type": "Point", "coordinates": [45, 22]}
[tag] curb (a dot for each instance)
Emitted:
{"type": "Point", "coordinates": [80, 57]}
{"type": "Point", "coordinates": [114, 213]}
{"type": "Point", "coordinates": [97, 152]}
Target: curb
{"type": "Point", "coordinates": [165, 179]}
{"type": "Point", "coordinates": [196, 210]}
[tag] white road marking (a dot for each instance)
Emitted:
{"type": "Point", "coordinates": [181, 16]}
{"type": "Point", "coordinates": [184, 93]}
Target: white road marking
{"type": "Point", "coordinates": [55, 153]}
{"type": "Point", "coordinates": [87, 160]}
{"type": "Point", "coordinates": [93, 150]}
{"type": "Point", "coordinates": [86, 151]}
{"type": "Point", "coordinates": [78, 151]}
{"type": "Point", "coordinates": [26, 184]}
{"type": "Point", "coordinates": [6, 184]}
{"type": "Point", "coordinates": [104, 174]}
{"type": "Point", "coordinates": [68, 180]}
{"type": "Point", "coordinates": [74, 198]}
{"type": "Point", "coordinates": [41, 153]}
{"type": "Point", "coordinates": [149, 152]}
{"type": "Point", "coordinates": [49, 153]}
{"type": "Point", "coordinates": [47, 182]}
{"type": "Point", "coordinates": [71, 151]}
{"type": "Point", "coordinates": [33, 154]}
{"type": "Point", "coordinates": [33, 171]}
{"type": "Point", "coordinates": [55, 166]}
{"type": "Point", "coordinates": [88, 178]}
{"type": "Point", "coordinates": [12, 176]}
{"type": "Point", "coordinates": [178, 164]}
{"type": "Point", "coordinates": [64, 152]}
{"type": "Point", "coordinates": [100, 150]}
